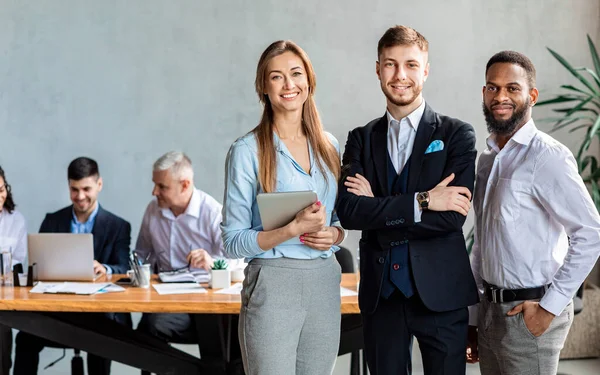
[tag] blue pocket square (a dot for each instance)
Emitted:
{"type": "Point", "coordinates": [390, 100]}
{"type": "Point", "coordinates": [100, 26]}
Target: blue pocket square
{"type": "Point", "coordinates": [435, 146]}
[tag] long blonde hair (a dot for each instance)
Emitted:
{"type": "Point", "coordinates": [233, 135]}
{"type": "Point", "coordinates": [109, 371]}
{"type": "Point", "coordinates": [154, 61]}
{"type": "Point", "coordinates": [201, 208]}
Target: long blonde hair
{"type": "Point", "coordinates": [325, 152]}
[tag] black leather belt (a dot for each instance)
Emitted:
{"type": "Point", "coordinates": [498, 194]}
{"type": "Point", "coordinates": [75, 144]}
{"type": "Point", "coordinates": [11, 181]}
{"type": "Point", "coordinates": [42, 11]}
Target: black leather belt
{"type": "Point", "coordinates": [498, 295]}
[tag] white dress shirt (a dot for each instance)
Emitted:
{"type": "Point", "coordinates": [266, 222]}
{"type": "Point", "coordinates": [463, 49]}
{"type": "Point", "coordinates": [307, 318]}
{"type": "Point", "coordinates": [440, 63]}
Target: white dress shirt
{"type": "Point", "coordinates": [528, 198]}
{"type": "Point", "coordinates": [169, 239]}
{"type": "Point", "coordinates": [400, 141]}
{"type": "Point", "coordinates": [13, 234]}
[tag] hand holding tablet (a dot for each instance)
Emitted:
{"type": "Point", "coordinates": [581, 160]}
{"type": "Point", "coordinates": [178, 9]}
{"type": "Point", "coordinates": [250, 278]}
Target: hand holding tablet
{"type": "Point", "coordinates": [279, 209]}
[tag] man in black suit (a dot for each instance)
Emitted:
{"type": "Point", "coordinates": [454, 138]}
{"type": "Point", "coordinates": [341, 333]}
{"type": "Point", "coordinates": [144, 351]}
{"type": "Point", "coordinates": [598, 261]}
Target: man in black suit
{"type": "Point", "coordinates": [416, 280]}
{"type": "Point", "coordinates": [112, 237]}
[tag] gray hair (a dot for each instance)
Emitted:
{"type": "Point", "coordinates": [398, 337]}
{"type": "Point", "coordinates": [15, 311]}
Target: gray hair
{"type": "Point", "coordinates": [177, 162]}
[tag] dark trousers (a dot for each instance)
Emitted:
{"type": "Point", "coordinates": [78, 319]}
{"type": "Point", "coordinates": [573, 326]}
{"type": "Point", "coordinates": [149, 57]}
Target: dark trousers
{"type": "Point", "coordinates": [28, 347]}
{"type": "Point", "coordinates": [389, 332]}
{"type": "Point", "coordinates": [5, 349]}
{"type": "Point", "coordinates": [201, 329]}
{"type": "Point", "coordinates": [27, 356]}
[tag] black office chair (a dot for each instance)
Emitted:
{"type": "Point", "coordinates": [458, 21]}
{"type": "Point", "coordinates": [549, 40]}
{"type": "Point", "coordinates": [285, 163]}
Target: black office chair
{"type": "Point", "coordinates": [578, 300]}
{"type": "Point", "coordinates": [351, 338]}
{"type": "Point", "coordinates": [76, 361]}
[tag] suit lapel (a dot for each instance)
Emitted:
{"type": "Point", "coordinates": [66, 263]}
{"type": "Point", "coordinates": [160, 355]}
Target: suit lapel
{"type": "Point", "coordinates": [380, 153]}
{"type": "Point", "coordinates": [64, 224]}
{"type": "Point", "coordinates": [422, 140]}
{"type": "Point", "coordinates": [98, 232]}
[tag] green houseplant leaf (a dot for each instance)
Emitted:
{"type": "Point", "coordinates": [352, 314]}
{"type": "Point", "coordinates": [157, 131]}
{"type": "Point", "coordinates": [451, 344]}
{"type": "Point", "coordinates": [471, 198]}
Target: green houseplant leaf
{"type": "Point", "coordinates": [220, 264]}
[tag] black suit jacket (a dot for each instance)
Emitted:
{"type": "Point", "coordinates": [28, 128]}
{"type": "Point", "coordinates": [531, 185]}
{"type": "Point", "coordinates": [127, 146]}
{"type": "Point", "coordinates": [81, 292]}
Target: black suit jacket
{"type": "Point", "coordinates": [438, 256]}
{"type": "Point", "coordinates": [112, 236]}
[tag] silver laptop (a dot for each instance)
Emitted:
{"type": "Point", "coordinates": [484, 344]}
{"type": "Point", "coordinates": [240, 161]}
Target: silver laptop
{"type": "Point", "coordinates": [279, 209]}
{"type": "Point", "coordinates": [62, 256]}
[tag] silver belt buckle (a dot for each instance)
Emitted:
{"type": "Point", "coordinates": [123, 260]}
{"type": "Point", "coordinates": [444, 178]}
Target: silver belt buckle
{"type": "Point", "coordinates": [497, 298]}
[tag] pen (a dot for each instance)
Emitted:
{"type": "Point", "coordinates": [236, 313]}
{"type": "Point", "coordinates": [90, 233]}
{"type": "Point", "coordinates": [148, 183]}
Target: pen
{"type": "Point", "coordinates": [147, 257]}
{"type": "Point", "coordinates": [135, 269]}
{"type": "Point", "coordinates": [136, 260]}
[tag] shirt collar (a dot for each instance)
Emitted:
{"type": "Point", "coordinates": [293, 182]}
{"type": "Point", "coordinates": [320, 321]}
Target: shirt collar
{"type": "Point", "coordinates": [280, 147]}
{"type": "Point", "coordinates": [90, 219]}
{"type": "Point", "coordinates": [414, 118]}
{"type": "Point", "coordinates": [522, 136]}
{"type": "Point", "coordinates": [192, 209]}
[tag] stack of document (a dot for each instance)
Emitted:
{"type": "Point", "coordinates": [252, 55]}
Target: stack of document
{"type": "Point", "coordinates": [183, 277]}
{"type": "Point", "coordinates": [75, 288]}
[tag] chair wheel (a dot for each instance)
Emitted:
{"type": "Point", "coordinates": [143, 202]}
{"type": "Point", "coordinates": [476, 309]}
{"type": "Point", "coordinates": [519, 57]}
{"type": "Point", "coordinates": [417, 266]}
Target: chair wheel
{"type": "Point", "coordinates": [77, 366]}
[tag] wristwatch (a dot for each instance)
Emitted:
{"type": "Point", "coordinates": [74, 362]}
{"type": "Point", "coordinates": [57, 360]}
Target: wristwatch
{"type": "Point", "coordinates": [423, 200]}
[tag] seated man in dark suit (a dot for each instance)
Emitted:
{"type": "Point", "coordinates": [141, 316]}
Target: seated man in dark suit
{"type": "Point", "coordinates": [112, 237]}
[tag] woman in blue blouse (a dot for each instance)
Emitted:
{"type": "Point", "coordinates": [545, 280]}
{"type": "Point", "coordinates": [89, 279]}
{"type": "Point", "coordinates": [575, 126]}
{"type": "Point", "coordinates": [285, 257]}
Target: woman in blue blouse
{"type": "Point", "coordinates": [290, 315]}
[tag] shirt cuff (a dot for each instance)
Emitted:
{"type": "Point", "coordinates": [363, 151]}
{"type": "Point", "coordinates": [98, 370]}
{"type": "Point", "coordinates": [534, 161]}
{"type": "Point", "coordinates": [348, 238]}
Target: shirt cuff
{"type": "Point", "coordinates": [418, 211]}
{"type": "Point", "coordinates": [554, 302]}
{"type": "Point", "coordinates": [473, 311]}
{"type": "Point", "coordinates": [108, 269]}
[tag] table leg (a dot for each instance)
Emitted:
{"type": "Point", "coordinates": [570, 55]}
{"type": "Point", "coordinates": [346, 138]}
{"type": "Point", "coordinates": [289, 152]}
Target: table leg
{"type": "Point", "coordinates": [107, 339]}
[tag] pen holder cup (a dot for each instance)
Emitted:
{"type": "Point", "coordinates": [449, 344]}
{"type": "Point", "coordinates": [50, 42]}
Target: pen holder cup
{"type": "Point", "coordinates": [142, 278]}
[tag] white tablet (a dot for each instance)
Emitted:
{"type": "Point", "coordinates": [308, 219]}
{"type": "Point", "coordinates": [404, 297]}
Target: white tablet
{"type": "Point", "coordinates": [279, 209]}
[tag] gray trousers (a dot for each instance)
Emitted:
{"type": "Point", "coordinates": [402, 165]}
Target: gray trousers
{"type": "Point", "coordinates": [290, 316]}
{"type": "Point", "coordinates": [507, 347]}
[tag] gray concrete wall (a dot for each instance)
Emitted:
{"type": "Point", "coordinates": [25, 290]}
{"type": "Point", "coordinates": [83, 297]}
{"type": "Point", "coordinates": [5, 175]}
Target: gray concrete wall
{"type": "Point", "coordinates": [125, 81]}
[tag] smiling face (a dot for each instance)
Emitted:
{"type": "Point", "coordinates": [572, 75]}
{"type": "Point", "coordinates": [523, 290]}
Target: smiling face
{"type": "Point", "coordinates": [507, 98]}
{"type": "Point", "coordinates": [286, 83]}
{"type": "Point", "coordinates": [84, 194]}
{"type": "Point", "coordinates": [3, 192]}
{"type": "Point", "coordinates": [402, 70]}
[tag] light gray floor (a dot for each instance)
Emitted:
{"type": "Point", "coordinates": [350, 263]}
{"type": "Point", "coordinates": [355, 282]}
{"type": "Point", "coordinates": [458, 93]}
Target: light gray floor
{"type": "Point", "coordinates": [570, 367]}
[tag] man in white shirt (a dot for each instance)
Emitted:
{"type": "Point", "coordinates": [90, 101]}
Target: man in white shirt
{"type": "Point", "coordinates": [537, 231]}
{"type": "Point", "coordinates": [181, 229]}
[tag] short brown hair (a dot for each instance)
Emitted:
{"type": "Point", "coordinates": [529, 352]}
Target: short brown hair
{"type": "Point", "coordinates": [400, 35]}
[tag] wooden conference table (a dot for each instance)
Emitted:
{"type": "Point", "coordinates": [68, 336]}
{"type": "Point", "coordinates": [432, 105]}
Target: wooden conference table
{"type": "Point", "coordinates": [44, 315]}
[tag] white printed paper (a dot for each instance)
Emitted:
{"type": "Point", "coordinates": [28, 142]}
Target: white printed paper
{"type": "Point", "coordinates": [179, 288]}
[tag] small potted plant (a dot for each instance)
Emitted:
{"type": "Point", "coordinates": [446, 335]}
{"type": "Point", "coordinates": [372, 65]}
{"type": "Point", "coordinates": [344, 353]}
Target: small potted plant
{"type": "Point", "coordinates": [220, 276]}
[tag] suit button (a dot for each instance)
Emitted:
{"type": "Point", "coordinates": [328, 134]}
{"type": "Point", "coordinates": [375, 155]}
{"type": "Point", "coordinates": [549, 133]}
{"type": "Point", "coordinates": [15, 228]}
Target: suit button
{"type": "Point", "coordinates": [401, 221]}
{"type": "Point", "coordinates": [381, 260]}
{"type": "Point", "coordinates": [396, 267]}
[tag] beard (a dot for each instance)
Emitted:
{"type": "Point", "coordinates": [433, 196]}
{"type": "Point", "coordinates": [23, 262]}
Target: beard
{"type": "Point", "coordinates": [508, 126]}
{"type": "Point", "coordinates": [407, 99]}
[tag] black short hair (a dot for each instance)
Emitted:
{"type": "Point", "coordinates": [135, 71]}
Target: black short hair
{"type": "Point", "coordinates": [517, 58]}
{"type": "Point", "coordinates": [9, 203]}
{"type": "Point", "coordinates": [81, 168]}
